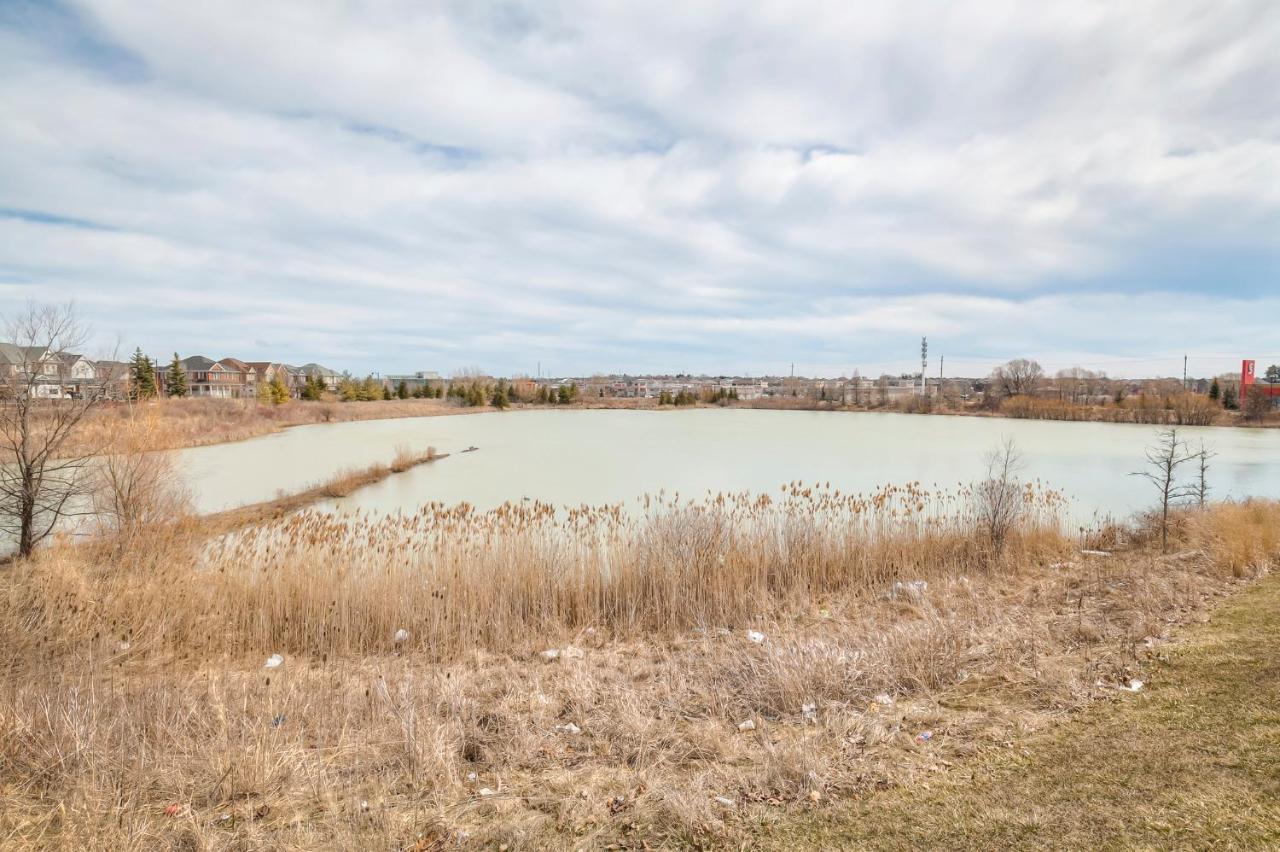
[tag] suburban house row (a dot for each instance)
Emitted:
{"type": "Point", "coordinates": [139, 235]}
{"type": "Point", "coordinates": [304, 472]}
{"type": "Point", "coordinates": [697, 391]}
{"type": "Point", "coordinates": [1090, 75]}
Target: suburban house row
{"type": "Point", "coordinates": [231, 378]}
{"type": "Point", "coordinates": [59, 375]}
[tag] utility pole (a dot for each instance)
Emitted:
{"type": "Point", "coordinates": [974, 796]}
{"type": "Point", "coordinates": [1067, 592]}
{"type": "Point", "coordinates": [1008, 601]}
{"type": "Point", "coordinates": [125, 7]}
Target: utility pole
{"type": "Point", "coordinates": [1184, 371]}
{"type": "Point", "coordinates": [942, 360]}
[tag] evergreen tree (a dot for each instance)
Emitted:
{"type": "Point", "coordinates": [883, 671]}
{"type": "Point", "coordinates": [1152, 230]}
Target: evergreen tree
{"type": "Point", "coordinates": [499, 399]}
{"type": "Point", "coordinates": [1215, 391]}
{"type": "Point", "coordinates": [177, 378]}
{"type": "Point", "coordinates": [1230, 398]}
{"type": "Point", "coordinates": [263, 393]}
{"type": "Point", "coordinates": [402, 390]}
{"type": "Point", "coordinates": [144, 376]}
{"type": "Point", "coordinates": [279, 390]}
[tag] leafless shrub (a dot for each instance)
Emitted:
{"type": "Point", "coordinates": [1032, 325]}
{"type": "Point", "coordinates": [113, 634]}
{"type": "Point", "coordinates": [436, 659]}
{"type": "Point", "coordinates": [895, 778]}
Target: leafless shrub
{"type": "Point", "coordinates": [998, 499]}
{"type": "Point", "coordinates": [133, 486]}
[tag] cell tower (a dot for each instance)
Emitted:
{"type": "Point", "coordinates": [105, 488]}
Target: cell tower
{"type": "Point", "coordinates": [924, 363]}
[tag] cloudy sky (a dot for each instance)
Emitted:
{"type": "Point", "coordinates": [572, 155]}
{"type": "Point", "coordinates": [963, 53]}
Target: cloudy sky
{"type": "Point", "coordinates": [600, 186]}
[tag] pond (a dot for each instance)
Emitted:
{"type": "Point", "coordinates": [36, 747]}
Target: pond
{"type": "Point", "coordinates": [576, 456]}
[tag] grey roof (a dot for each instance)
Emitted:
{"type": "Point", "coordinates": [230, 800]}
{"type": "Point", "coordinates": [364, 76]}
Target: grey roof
{"type": "Point", "coordinates": [198, 363]}
{"type": "Point", "coordinates": [19, 355]}
{"type": "Point", "coordinates": [314, 369]}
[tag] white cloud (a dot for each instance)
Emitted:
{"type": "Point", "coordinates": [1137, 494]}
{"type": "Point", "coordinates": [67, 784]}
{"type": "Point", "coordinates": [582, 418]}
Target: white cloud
{"type": "Point", "coordinates": [707, 186]}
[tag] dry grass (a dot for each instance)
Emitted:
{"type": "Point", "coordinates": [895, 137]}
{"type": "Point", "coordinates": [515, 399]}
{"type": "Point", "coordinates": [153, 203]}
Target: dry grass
{"type": "Point", "coordinates": [179, 423]}
{"type": "Point", "coordinates": [1191, 761]}
{"type": "Point", "coordinates": [135, 686]}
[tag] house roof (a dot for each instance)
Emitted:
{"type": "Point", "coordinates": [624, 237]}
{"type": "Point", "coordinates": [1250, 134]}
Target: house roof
{"type": "Point", "coordinates": [197, 363]}
{"type": "Point", "coordinates": [314, 369]}
{"type": "Point", "coordinates": [235, 364]}
{"type": "Point", "coordinates": [19, 355]}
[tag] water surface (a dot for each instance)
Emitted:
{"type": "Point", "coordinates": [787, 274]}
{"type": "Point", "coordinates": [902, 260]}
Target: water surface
{"type": "Point", "coordinates": [572, 457]}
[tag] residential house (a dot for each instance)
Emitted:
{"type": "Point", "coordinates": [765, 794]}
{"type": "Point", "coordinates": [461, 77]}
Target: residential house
{"type": "Point", "coordinates": [45, 374]}
{"type": "Point", "coordinates": [205, 378]}
{"type": "Point", "coordinates": [242, 376]}
{"type": "Point", "coordinates": [316, 371]}
{"type": "Point", "coordinates": [265, 372]}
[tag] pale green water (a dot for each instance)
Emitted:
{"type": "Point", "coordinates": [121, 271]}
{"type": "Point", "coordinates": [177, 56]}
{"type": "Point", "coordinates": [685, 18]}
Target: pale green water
{"type": "Point", "coordinates": [594, 456]}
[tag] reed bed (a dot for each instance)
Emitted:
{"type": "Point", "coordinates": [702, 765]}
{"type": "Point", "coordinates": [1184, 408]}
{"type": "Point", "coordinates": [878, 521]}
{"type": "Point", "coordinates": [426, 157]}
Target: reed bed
{"type": "Point", "coordinates": [458, 579]}
{"type": "Point", "coordinates": [135, 711]}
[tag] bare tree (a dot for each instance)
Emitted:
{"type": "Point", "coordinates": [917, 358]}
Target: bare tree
{"type": "Point", "coordinates": [1164, 458]}
{"type": "Point", "coordinates": [40, 408]}
{"type": "Point", "coordinates": [999, 503]}
{"type": "Point", "coordinates": [1017, 377]}
{"type": "Point", "coordinates": [1202, 478]}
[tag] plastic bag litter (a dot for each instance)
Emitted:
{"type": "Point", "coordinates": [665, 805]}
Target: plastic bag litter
{"type": "Point", "coordinates": [275, 661]}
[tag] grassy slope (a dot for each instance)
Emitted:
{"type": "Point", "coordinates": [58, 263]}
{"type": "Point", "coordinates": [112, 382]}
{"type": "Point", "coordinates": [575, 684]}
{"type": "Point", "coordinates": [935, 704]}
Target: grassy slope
{"type": "Point", "coordinates": [1191, 761]}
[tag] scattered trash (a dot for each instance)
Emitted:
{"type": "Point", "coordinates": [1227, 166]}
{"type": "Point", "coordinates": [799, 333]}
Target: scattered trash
{"type": "Point", "coordinates": [173, 810]}
{"type": "Point", "coordinates": [261, 811]}
{"type": "Point", "coordinates": [815, 796]}
{"type": "Point", "coordinates": [824, 613]}
{"type": "Point", "coordinates": [551, 654]}
{"type": "Point", "coordinates": [224, 818]}
{"type": "Point", "coordinates": [569, 652]}
{"type": "Point", "coordinates": [1102, 553]}
{"type": "Point", "coordinates": [755, 636]}
{"type": "Point", "coordinates": [924, 736]}
{"type": "Point", "coordinates": [884, 698]}
{"type": "Point", "coordinates": [724, 800]}
{"type": "Point", "coordinates": [748, 725]}
{"type": "Point", "coordinates": [570, 729]}
{"type": "Point", "coordinates": [472, 777]}
{"type": "Point", "coordinates": [275, 661]}
{"type": "Point", "coordinates": [364, 805]}
{"type": "Point", "coordinates": [278, 721]}
{"type": "Point", "coordinates": [486, 792]}
{"type": "Point", "coordinates": [913, 589]}
{"type": "Point", "coordinates": [402, 635]}
{"type": "Point", "coordinates": [1134, 685]}
{"type": "Point", "coordinates": [1058, 566]}
{"type": "Point", "coordinates": [123, 646]}
{"type": "Point", "coordinates": [809, 712]}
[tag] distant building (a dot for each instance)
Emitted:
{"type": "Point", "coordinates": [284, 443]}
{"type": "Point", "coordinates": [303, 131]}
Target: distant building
{"type": "Point", "coordinates": [1249, 379]}
{"type": "Point", "coordinates": [413, 382]}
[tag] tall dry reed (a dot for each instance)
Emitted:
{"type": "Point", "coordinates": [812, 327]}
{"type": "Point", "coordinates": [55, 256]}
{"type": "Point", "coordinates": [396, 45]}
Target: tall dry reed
{"type": "Point", "coordinates": [459, 579]}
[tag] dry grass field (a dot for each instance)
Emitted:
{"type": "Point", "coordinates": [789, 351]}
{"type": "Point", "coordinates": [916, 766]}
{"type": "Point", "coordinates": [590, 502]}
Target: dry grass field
{"type": "Point", "coordinates": [698, 676]}
{"type": "Point", "coordinates": [177, 423]}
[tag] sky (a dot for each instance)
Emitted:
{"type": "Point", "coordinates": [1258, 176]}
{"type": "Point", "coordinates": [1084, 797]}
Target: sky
{"type": "Point", "coordinates": [583, 187]}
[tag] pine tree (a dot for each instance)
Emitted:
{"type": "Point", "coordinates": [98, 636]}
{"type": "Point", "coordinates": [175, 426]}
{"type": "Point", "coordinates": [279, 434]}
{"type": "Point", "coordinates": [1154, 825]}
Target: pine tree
{"type": "Point", "coordinates": [144, 376]}
{"type": "Point", "coordinates": [1230, 398]}
{"type": "Point", "coordinates": [499, 399]}
{"type": "Point", "coordinates": [177, 378]}
{"type": "Point", "coordinates": [1215, 391]}
{"type": "Point", "coordinates": [402, 390]}
{"type": "Point", "coordinates": [279, 390]}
